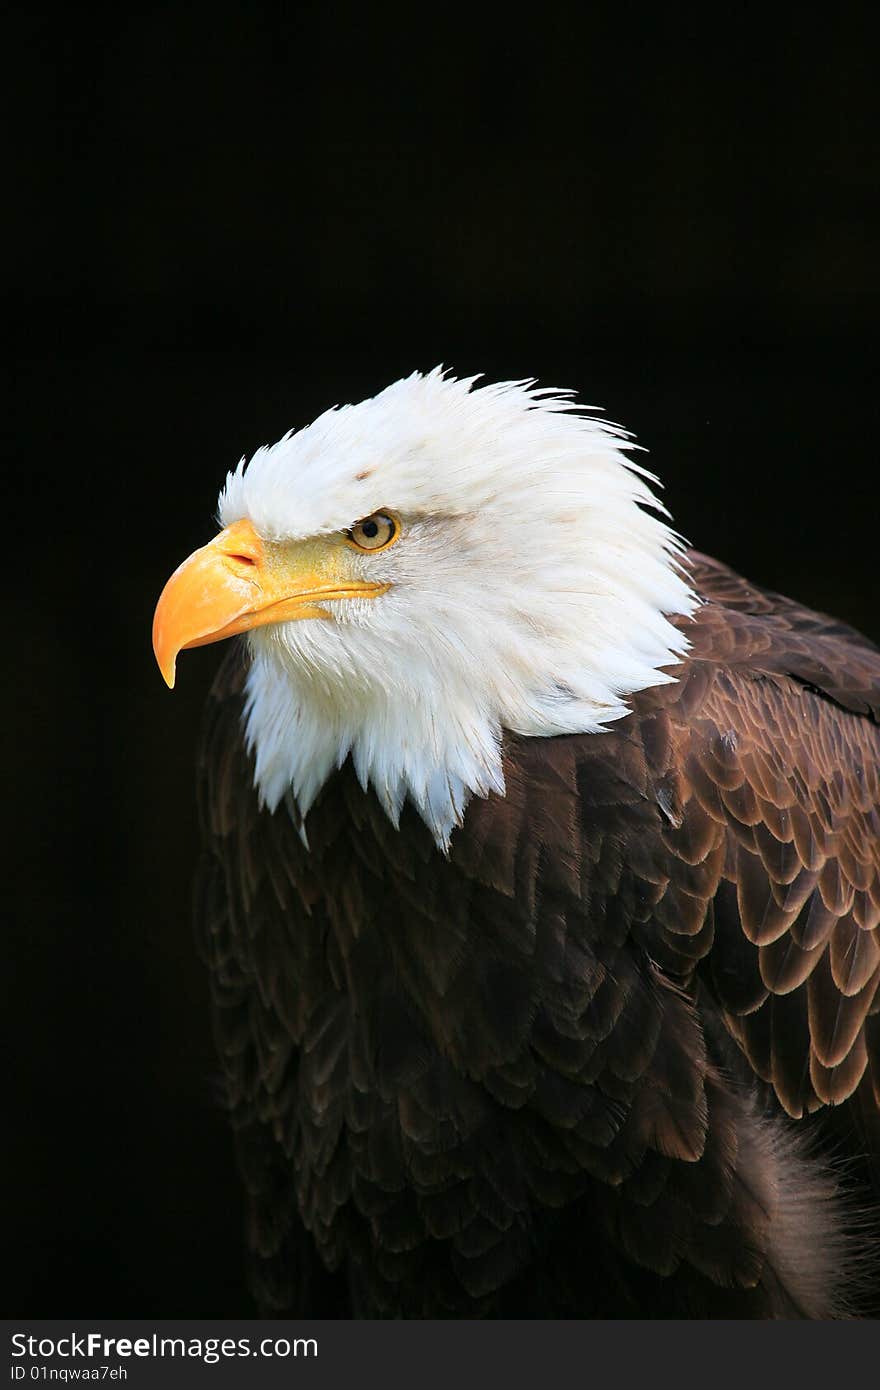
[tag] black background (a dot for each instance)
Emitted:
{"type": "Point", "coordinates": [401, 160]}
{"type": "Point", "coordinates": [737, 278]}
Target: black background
{"type": "Point", "coordinates": [225, 220]}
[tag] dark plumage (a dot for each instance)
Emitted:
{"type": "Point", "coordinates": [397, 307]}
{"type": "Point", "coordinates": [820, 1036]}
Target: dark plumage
{"type": "Point", "coordinates": [552, 1074]}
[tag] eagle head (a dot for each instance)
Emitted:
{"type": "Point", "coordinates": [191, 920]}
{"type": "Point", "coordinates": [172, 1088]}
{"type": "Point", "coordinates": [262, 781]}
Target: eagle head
{"type": "Point", "coordinates": [420, 572]}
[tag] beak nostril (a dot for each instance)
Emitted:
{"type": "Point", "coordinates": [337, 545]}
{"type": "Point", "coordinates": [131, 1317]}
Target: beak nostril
{"type": "Point", "coordinates": [243, 559]}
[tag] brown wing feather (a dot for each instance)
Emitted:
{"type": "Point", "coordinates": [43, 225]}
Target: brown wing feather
{"type": "Point", "coordinates": [779, 788]}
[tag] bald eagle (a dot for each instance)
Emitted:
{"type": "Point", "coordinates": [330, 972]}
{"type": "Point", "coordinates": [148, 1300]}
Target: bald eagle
{"type": "Point", "coordinates": [541, 881]}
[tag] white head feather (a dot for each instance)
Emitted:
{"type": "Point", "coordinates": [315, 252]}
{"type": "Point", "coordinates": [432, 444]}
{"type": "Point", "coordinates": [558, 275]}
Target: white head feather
{"type": "Point", "coordinates": [531, 590]}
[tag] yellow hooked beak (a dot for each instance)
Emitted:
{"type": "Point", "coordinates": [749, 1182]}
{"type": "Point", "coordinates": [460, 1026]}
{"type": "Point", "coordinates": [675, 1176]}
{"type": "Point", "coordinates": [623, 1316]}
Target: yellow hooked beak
{"type": "Point", "coordinates": [239, 581]}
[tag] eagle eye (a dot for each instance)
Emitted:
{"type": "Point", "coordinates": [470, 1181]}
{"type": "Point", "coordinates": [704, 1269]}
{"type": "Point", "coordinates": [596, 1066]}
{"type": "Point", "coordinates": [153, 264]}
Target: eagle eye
{"type": "Point", "coordinates": [374, 532]}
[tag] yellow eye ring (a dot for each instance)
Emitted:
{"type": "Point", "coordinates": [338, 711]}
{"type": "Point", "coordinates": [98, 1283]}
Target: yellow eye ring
{"type": "Point", "coordinates": [375, 532]}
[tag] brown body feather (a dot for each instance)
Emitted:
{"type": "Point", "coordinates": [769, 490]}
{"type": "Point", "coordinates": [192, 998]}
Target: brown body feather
{"type": "Point", "coordinates": [551, 1075]}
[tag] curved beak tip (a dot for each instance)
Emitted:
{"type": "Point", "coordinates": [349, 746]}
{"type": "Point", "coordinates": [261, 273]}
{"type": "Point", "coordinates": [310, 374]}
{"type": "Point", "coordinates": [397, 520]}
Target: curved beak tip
{"type": "Point", "coordinates": [164, 650]}
{"type": "Point", "coordinates": [166, 661]}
